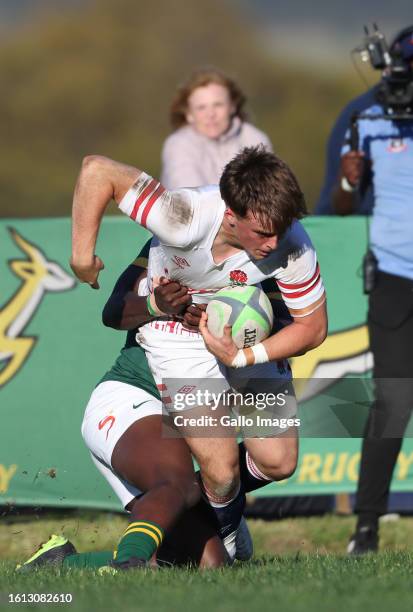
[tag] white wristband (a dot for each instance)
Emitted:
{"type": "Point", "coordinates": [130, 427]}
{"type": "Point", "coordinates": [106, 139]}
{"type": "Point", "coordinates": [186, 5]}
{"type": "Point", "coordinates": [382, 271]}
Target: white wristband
{"type": "Point", "coordinates": [240, 360]}
{"type": "Point", "coordinates": [250, 356]}
{"type": "Point", "coordinates": [346, 186]}
{"type": "Point", "coordinates": [260, 354]}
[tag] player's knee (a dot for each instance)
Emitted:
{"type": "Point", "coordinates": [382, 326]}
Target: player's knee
{"type": "Point", "coordinates": [223, 480]}
{"type": "Point", "coordinates": [286, 469]}
{"type": "Point", "coordinates": [280, 466]}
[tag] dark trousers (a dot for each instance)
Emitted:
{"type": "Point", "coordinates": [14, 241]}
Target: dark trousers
{"type": "Point", "coordinates": [391, 341]}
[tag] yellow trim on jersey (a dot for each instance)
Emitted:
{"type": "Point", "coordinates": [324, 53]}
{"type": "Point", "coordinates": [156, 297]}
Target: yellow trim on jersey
{"type": "Point", "coordinates": [141, 262]}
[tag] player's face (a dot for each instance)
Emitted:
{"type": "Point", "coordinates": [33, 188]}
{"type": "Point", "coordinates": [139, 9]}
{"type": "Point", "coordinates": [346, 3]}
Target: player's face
{"type": "Point", "coordinates": [210, 110]}
{"type": "Point", "coordinates": [255, 239]}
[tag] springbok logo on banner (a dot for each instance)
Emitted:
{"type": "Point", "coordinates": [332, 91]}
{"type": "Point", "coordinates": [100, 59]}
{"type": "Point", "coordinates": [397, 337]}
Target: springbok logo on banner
{"type": "Point", "coordinates": [342, 353]}
{"type": "Point", "coordinates": [38, 276]}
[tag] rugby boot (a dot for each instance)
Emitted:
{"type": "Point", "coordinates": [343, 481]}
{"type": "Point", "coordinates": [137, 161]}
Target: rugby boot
{"type": "Point", "coordinates": [244, 548]}
{"type": "Point", "coordinates": [50, 553]}
{"type": "Point", "coordinates": [364, 540]}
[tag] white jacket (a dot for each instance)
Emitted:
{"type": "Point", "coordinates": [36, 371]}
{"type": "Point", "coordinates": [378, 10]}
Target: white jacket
{"type": "Point", "coordinates": [190, 159]}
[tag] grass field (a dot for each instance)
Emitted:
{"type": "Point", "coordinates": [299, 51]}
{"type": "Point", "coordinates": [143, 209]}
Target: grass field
{"type": "Point", "coordinates": [299, 566]}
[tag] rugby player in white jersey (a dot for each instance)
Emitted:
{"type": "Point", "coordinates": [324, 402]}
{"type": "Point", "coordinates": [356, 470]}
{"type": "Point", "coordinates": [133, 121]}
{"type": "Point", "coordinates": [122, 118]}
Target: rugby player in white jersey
{"type": "Point", "coordinates": [203, 237]}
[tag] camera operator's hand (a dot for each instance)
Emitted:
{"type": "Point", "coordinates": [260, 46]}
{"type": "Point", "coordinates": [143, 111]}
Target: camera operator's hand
{"type": "Point", "coordinates": [352, 167]}
{"type": "Point", "coordinates": [171, 297]}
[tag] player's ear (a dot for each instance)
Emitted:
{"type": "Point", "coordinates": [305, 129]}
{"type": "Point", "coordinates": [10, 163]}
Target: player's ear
{"type": "Point", "coordinates": [230, 216]}
{"type": "Point", "coordinates": [189, 117]}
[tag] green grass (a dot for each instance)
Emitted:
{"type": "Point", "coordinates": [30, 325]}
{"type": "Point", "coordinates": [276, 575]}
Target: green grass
{"type": "Point", "coordinates": [299, 566]}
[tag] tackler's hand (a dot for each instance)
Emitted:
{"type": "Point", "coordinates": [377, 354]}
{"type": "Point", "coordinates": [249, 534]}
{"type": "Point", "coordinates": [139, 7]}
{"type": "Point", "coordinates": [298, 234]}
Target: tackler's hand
{"type": "Point", "coordinates": [192, 316]}
{"type": "Point", "coordinates": [171, 297]}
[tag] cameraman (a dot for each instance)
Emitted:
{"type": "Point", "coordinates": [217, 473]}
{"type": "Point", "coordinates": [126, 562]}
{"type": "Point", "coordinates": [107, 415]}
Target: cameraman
{"type": "Point", "coordinates": [363, 199]}
{"type": "Point", "coordinates": [385, 155]}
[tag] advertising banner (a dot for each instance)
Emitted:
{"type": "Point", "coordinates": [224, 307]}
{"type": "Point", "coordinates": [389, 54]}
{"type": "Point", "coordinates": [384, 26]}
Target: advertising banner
{"type": "Point", "coordinates": [54, 350]}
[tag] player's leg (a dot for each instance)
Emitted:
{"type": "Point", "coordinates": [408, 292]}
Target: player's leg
{"type": "Point", "coordinates": [212, 446]}
{"type": "Point", "coordinates": [162, 467]}
{"type": "Point", "coordinates": [194, 540]}
{"type": "Point", "coordinates": [219, 470]}
{"type": "Point", "coordinates": [270, 449]}
{"type": "Point", "coordinates": [123, 430]}
{"type": "Point", "coordinates": [270, 459]}
{"type": "Point", "coordinates": [146, 460]}
{"type": "Point", "coordinates": [163, 470]}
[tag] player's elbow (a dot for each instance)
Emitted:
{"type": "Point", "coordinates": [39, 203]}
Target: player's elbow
{"type": "Point", "coordinates": [91, 162]}
{"type": "Point", "coordinates": [95, 166]}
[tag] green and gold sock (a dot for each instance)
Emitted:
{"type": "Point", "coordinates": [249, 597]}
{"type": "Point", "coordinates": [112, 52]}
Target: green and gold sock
{"type": "Point", "coordinates": [141, 539]}
{"type": "Point", "coordinates": [89, 560]}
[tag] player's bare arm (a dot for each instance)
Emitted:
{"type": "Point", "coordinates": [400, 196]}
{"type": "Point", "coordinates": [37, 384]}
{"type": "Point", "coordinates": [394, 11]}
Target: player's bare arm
{"type": "Point", "coordinates": [302, 335]}
{"type": "Point", "coordinates": [100, 180]}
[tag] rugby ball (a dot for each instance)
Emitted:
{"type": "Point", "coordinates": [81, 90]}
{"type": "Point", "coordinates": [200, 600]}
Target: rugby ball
{"type": "Point", "coordinates": [246, 309]}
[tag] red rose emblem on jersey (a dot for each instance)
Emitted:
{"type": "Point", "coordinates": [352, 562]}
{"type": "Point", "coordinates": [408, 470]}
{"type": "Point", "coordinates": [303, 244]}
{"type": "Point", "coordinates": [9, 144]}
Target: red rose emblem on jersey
{"type": "Point", "coordinates": [238, 277]}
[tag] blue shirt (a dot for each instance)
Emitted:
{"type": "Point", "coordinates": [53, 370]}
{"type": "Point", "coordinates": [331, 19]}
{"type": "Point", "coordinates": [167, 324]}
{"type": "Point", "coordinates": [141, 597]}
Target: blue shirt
{"type": "Point", "coordinates": [389, 147]}
{"type": "Point", "coordinates": [364, 204]}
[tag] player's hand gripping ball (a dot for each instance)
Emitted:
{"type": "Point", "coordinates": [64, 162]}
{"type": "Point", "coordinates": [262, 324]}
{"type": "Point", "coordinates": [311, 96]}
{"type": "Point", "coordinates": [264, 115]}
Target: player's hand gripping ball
{"type": "Point", "coordinates": [246, 309]}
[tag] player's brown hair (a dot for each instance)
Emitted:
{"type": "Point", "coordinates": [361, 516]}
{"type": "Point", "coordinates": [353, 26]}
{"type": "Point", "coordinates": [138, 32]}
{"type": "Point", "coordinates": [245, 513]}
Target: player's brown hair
{"type": "Point", "coordinates": [201, 78]}
{"type": "Point", "coordinates": [259, 182]}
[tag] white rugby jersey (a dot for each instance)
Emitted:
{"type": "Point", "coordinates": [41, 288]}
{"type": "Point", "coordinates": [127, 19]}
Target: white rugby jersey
{"type": "Point", "coordinates": [186, 223]}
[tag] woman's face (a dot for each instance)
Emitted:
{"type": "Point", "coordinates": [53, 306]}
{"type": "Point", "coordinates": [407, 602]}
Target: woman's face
{"type": "Point", "coordinates": [210, 110]}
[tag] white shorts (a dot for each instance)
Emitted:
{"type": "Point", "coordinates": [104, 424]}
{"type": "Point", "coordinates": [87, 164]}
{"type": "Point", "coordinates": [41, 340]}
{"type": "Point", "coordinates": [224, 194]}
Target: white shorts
{"type": "Point", "coordinates": [179, 361]}
{"type": "Point", "coordinates": [113, 407]}
{"type": "Point", "coordinates": [181, 364]}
